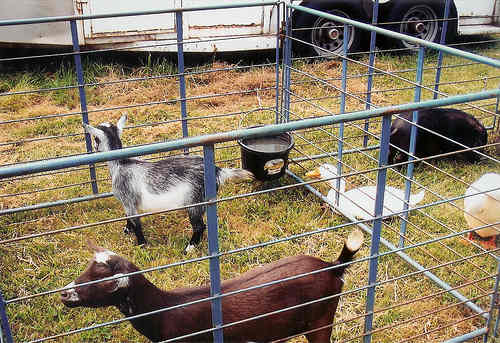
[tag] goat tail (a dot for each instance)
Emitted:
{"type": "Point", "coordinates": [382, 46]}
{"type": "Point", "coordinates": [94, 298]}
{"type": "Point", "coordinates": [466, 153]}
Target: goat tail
{"type": "Point", "coordinates": [236, 174]}
{"type": "Point", "coordinates": [351, 246]}
{"type": "Point", "coordinates": [416, 198]}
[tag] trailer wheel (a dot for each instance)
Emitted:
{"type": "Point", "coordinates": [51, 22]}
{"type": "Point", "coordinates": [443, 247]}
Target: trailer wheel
{"type": "Point", "coordinates": [324, 37]}
{"type": "Point", "coordinates": [420, 19]}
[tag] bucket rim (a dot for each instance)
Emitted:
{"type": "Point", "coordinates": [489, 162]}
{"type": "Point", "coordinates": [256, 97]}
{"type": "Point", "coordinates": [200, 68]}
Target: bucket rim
{"type": "Point", "coordinates": [291, 144]}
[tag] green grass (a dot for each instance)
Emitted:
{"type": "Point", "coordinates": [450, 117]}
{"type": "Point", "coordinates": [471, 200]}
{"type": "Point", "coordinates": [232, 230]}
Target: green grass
{"type": "Point", "coordinates": [44, 263]}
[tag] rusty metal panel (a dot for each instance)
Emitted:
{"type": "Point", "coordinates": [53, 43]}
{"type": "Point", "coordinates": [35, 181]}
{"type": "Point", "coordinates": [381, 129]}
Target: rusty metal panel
{"type": "Point", "coordinates": [236, 17]}
{"type": "Point", "coordinates": [194, 45]}
{"type": "Point", "coordinates": [47, 34]}
{"type": "Point", "coordinates": [148, 25]}
{"type": "Point", "coordinates": [479, 30]}
{"type": "Point", "coordinates": [475, 8]}
{"type": "Point", "coordinates": [477, 12]}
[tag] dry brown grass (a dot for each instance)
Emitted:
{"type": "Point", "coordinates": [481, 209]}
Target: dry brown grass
{"type": "Point", "coordinates": [52, 261]}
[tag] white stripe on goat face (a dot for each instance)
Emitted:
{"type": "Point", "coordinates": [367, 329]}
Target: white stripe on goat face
{"type": "Point", "coordinates": [103, 256]}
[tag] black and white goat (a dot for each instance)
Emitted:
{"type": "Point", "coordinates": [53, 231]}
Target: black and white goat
{"type": "Point", "coordinates": [134, 295]}
{"type": "Point", "coordinates": [144, 186]}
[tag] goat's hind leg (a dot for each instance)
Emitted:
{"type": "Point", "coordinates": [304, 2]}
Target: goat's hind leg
{"type": "Point", "coordinates": [322, 333]}
{"type": "Point", "coordinates": [320, 327]}
{"type": "Point", "coordinates": [196, 220]}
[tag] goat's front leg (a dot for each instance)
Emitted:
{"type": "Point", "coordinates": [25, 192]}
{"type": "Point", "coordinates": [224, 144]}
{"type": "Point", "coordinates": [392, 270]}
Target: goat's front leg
{"type": "Point", "coordinates": [129, 202]}
{"type": "Point", "coordinates": [196, 220]}
{"type": "Point", "coordinates": [129, 228]}
{"type": "Point", "coordinates": [134, 225]}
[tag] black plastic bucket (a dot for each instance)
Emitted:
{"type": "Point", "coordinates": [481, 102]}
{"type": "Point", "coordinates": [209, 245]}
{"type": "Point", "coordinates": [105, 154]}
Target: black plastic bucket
{"type": "Point", "coordinates": [266, 157]}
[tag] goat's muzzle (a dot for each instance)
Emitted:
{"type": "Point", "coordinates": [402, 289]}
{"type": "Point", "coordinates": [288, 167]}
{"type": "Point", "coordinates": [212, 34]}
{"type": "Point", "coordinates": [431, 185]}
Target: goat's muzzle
{"type": "Point", "coordinates": [69, 297]}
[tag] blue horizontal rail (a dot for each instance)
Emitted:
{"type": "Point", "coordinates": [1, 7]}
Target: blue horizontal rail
{"type": "Point", "coordinates": [275, 129]}
{"type": "Point", "coordinates": [40, 206]}
{"type": "Point", "coordinates": [210, 140]}
{"type": "Point", "coordinates": [467, 337]}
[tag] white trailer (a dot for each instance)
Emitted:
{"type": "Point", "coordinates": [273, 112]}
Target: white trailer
{"type": "Point", "coordinates": [255, 27]}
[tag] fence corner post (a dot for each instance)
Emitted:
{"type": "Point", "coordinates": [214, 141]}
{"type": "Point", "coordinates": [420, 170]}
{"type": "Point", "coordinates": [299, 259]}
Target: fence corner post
{"type": "Point", "coordinates": [83, 98]}
{"type": "Point", "coordinates": [4, 323]}
{"type": "Point", "coordinates": [213, 241]}
{"type": "Point", "coordinates": [181, 70]}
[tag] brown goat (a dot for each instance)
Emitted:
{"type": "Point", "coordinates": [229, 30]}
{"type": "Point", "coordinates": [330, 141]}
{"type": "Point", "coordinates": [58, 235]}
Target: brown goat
{"type": "Point", "coordinates": [134, 295]}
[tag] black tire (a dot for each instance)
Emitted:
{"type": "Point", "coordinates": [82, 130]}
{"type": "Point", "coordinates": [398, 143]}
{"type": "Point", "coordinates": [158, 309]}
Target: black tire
{"type": "Point", "coordinates": [421, 19]}
{"type": "Point", "coordinates": [326, 36]}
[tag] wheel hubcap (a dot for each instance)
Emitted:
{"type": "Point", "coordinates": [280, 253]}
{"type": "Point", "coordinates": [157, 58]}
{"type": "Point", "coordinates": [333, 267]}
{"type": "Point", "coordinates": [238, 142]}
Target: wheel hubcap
{"type": "Point", "coordinates": [416, 26]}
{"type": "Point", "coordinates": [334, 34]}
{"type": "Point", "coordinates": [328, 36]}
{"type": "Point", "coordinates": [419, 27]}
{"type": "Point", "coordinates": [420, 22]}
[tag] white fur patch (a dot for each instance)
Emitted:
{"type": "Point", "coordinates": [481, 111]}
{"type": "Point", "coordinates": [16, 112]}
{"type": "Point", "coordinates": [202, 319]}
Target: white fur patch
{"type": "Point", "coordinates": [176, 196]}
{"type": "Point", "coordinates": [73, 296]}
{"type": "Point", "coordinates": [103, 256]}
{"type": "Point", "coordinates": [234, 174]}
{"type": "Point", "coordinates": [105, 124]}
{"type": "Point", "coordinates": [189, 248]}
{"type": "Point", "coordinates": [122, 282]}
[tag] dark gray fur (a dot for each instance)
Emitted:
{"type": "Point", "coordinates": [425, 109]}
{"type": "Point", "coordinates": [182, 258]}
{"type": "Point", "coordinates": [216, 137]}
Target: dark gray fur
{"type": "Point", "coordinates": [133, 179]}
{"type": "Point", "coordinates": [449, 122]}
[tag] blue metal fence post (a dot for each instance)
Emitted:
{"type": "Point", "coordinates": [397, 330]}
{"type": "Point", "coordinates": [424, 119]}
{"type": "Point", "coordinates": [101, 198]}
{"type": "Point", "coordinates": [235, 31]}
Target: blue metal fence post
{"type": "Point", "coordinates": [180, 69]}
{"type": "Point", "coordinates": [497, 111]}
{"type": "Point", "coordinates": [83, 98]}
{"type": "Point", "coordinates": [377, 227]}
{"type": "Point", "coordinates": [369, 84]}
{"type": "Point", "coordinates": [497, 322]}
{"type": "Point", "coordinates": [213, 240]}
{"type": "Point", "coordinates": [283, 64]}
{"type": "Point", "coordinates": [442, 41]}
{"type": "Point", "coordinates": [287, 60]}
{"type": "Point", "coordinates": [4, 323]}
{"type": "Point", "coordinates": [413, 142]}
{"type": "Point", "coordinates": [493, 304]}
{"type": "Point", "coordinates": [277, 69]}
{"type": "Point", "coordinates": [342, 109]}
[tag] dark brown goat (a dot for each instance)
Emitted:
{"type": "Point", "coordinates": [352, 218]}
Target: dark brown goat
{"type": "Point", "coordinates": [134, 295]}
{"type": "Point", "coordinates": [449, 122]}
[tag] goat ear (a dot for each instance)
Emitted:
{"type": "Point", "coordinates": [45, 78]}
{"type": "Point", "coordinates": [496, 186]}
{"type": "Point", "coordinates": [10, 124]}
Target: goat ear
{"type": "Point", "coordinates": [93, 247]}
{"type": "Point", "coordinates": [93, 131]}
{"type": "Point", "coordinates": [121, 124]}
{"type": "Point", "coordinates": [117, 264]}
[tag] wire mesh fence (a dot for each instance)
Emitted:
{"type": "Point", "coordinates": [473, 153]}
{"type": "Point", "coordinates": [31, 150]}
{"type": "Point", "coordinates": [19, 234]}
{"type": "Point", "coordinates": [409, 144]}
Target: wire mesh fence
{"type": "Point", "coordinates": [422, 273]}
